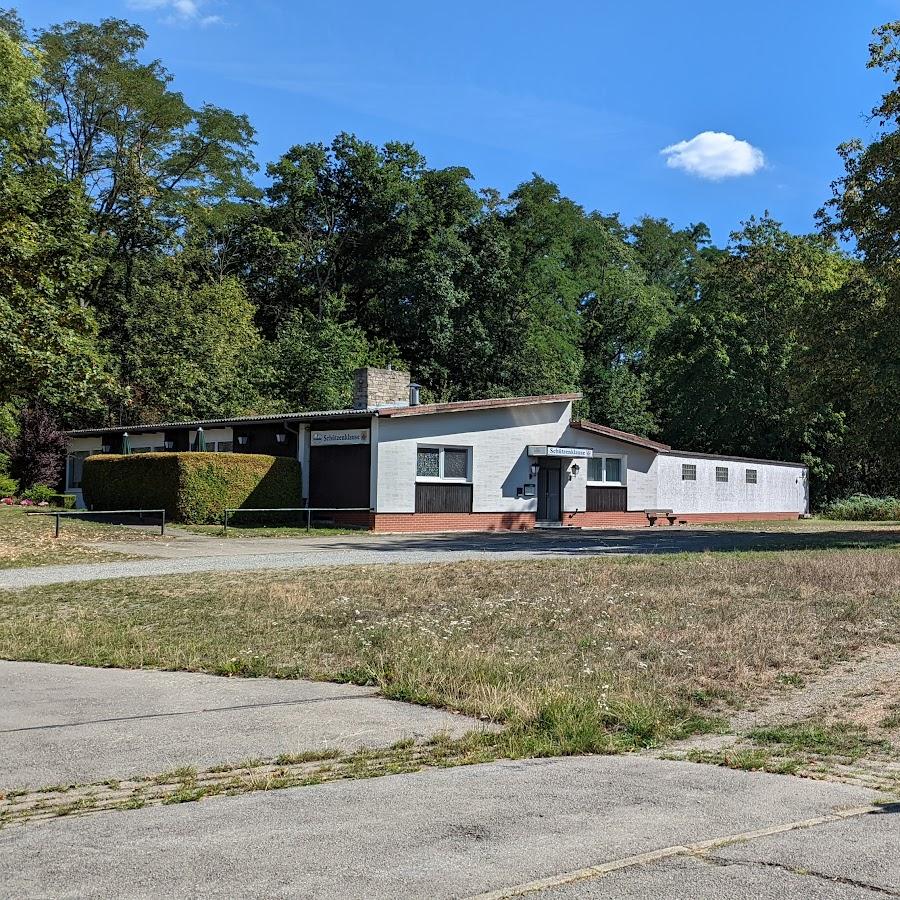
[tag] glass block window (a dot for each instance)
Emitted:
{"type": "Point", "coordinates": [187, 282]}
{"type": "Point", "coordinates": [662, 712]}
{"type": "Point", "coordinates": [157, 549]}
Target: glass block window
{"type": "Point", "coordinates": [595, 468]}
{"type": "Point", "coordinates": [428, 462]}
{"type": "Point", "coordinates": [613, 469]}
{"type": "Point", "coordinates": [456, 463]}
{"type": "Point", "coordinates": [721, 473]}
{"type": "Point", "coordinates": [688, 472]}
{"type": "Point", "coordinates": [751, 476]}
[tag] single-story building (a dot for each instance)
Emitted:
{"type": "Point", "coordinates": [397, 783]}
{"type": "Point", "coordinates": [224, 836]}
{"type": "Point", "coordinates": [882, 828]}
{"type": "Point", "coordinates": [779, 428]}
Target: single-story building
{"type": "Point", "coordinates": [490, 464]}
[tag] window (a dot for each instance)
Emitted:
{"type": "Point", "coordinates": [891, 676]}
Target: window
{"type": "Point", "coordinates": [613, 469]}
{"type": "Point", "coordinates": [688, 472]}
{"type": "Point", "coordinates": [750, 476]}
{"type": "Point", "coordinates": [428, 462]}
{"type": "Point", "coordinates": [76, 466]}
{"type": "Point", "coordinates": [721, 473]}
{"type": "Point", "coordinates": [605, 469]}
{"type": "Point", "coordinates": [443, 462]}
{"type": "Point", "coordinates": [456, 463]}
{"type": "Point", "coordinates": [225, 447]}
{"type": "Point", "coordinates": [141, 449]}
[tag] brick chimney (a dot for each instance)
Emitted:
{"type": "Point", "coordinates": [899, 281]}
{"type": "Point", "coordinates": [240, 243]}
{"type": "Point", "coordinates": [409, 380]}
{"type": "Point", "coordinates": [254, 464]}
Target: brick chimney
{"type": "Point", "coordinates": [380, 387]}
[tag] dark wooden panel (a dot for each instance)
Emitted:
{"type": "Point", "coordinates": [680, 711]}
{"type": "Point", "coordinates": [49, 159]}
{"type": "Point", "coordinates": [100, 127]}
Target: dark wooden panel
{"type": "Point", "coordinates": [443, 498]}
{"type": "Point", "coordinates": [607, 499]}
{"type": "Point", "coordinates": [339, 476]}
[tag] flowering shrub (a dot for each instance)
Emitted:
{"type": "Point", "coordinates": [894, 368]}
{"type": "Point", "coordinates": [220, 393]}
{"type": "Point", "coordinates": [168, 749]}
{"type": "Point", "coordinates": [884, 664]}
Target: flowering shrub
{"type": "Point", "coordinates": [43, 503]}
{"type": "Point", "coordinates": [8, 501]}
{"type": "Point", "coordinates": [26, 503]}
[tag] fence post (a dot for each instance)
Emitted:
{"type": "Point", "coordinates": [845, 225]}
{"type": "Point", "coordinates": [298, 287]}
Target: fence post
{"type": "Point", "coordinates": [308, 518]}
{"type": "Point", "coordinates": [57, 526]}
{"type": "Point", "coordinates": [162, 524]}
{"type": "Point", "coordinates": [225, 523]}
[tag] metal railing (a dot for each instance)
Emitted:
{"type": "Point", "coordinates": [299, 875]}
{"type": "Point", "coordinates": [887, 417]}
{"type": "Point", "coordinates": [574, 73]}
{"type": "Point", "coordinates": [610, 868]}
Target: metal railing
{"type": "Point", "coordinates": [309, 510]}
{"type": "Point", "coordinates": [101, 512]}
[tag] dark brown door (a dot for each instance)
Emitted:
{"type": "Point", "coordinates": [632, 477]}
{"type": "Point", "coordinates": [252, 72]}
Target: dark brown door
{"type": "Point", "coordinates": [548, 488]}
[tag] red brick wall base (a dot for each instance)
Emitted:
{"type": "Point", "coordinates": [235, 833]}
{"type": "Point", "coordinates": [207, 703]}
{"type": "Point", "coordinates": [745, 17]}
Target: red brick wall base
{"type": "Point", "coordinates": [511, 521]}
{"type": "Point", "coordinates": [413, 522]}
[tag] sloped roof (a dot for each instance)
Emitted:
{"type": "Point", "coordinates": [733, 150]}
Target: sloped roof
{"type": "Point", "coordinates": [617, 435]}
{"type": "Point", "coordinates": [426, 409]}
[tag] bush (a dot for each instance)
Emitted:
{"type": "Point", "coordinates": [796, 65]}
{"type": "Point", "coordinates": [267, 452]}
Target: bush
{"type": "Point", "coordinates": [8, 486]}
{"type": "Point", "coordinates": [39, 493]}
{"type": "Point", "coordinates": [66, 501]}
{"type": "Point", "coordinates": [191, 487]}
{"type": "Point", "coordinates": [863, 508]}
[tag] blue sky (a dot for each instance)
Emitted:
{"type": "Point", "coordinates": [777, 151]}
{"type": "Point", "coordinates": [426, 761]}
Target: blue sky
{"type": "Point", "coordinates": [588, 94]}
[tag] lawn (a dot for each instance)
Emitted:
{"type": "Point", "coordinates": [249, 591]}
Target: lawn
{"type": "Point", "coordinates": [28, 540]}
{"type": "Point", "coordinates": [576, 656]}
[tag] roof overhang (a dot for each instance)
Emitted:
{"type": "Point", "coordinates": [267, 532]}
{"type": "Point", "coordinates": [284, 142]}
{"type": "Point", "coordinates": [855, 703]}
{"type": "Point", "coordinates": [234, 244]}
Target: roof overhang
{"type": "Point", "coordinates": [625, 436]}
{"type": "Point", "coordinates": [427, 409]}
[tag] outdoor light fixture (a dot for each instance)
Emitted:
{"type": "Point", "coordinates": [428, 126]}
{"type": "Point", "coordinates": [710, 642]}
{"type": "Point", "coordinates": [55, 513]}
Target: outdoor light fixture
{"type": "Point", "coordinates": [280, 437]}
{"type": "Point", "coordinates": [575, 470]}
{"type": "Point", "coordinates": [242, 439]}
{"type": "Point", "coordinates": [105, 448]}
{"type": "Point", "coordinates": [168, 445]}
{"type": "Point", "coordinates": [534, 469]}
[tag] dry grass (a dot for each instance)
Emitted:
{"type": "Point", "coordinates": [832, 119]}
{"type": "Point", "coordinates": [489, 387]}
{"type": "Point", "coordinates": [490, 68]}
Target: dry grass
{"type": "Point", "coordinates": [639, 647]}
{"type": "Point", "coordinates": [28, 540]}
{"type": "Point", "coordinates": [803, 526]}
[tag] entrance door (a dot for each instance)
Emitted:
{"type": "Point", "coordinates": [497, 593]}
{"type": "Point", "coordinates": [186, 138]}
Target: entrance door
{"type": "Point", "coordinates": [548, 490]}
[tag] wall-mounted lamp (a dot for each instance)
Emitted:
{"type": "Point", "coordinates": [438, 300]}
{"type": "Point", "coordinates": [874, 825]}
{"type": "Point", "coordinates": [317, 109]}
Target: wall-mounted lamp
{"type": "Point", "coordinates": [280, 437]}
{"type": "Point", "coordinates": [242, 439]}
{"type": "Point", "coordinates": [105, 448]}
{"type": "Point", "coordinates": [534, 469]}
{"type": "Point", "coordinates": [575, 470]}
{"type": "Point", "coordinates": [168, 445]}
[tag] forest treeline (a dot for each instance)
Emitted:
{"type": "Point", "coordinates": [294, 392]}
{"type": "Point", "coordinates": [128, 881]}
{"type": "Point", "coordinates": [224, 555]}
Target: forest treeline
{"type": "Point", "coordinates": [145, 275]}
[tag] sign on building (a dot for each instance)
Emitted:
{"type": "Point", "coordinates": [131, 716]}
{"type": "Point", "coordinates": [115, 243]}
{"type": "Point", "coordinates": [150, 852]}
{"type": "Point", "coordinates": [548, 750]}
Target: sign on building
{"type": "Point", "coordinates": [340, 438]}
{"type": "Point", "coordinates": [571, 452]}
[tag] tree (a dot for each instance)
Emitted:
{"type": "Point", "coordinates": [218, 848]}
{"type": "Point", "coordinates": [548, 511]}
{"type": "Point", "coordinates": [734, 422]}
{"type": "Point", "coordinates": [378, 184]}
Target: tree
{"type": "Point", "coordinates": [735, 377]}
{"type": "Point", "coordinates": [37, 454]}
{"type": "Point", "coordinates": [49, 338]}
{"type": "Point", "coordinates": [192, 349]}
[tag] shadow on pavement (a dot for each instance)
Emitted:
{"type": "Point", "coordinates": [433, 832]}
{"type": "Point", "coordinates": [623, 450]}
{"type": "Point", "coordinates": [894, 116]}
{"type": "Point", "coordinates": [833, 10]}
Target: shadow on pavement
{"type": "Point", "coordinates": [613, 541]}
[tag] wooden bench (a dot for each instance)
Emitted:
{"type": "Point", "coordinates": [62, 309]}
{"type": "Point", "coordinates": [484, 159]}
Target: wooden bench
{"type": "Point", "coordinates": [654, 514]}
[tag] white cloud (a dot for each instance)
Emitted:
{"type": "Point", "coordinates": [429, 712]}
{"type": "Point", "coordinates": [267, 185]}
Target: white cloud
{"type": "Point", "coordinates": [179, 12]}
{"type": "Point", "coordinates": [714, 155]}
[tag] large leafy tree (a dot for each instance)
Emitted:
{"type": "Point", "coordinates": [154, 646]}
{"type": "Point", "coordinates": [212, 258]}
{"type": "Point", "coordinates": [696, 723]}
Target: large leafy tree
{"type": "Point", "coordinates": [49, 338]}
{"type": "Point", "coordinates": [733, 377]}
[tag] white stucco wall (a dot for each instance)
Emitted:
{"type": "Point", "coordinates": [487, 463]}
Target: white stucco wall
{"type": "Point", "coordinates": [780, 487]}
{"type": "Point", "coordinates": [499, 439]}
{"type": "Point", "coordinates": [639, 468]}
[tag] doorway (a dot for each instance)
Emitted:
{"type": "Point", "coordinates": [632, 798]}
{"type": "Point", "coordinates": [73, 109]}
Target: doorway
{"type": "Point", "coordinates": [549, 505]}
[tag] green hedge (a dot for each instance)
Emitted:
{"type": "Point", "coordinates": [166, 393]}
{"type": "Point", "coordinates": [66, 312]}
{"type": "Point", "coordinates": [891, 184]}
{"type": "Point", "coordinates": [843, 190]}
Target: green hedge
{"type": "Point", "coordinates": [191, 487]}
{"type": "Point", "coordinates": [862, 508]}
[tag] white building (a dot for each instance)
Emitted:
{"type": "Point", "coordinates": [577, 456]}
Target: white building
{"type": "Point", "coordinates": [479, 465]}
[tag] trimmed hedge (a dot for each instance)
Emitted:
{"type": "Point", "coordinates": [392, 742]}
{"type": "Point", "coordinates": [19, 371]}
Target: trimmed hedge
{"type": "Point", "coordinates": [191, 487]}
{"type": "Point", "coordinates": [862, 508]}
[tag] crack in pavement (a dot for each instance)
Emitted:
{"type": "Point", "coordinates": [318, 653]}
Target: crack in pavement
{"type": "Point", "coordinates": [696, 850]}
{"type": "Point", "coordinates": [190, 712]}
{"type": "Point", "coordinates": [795, 870]}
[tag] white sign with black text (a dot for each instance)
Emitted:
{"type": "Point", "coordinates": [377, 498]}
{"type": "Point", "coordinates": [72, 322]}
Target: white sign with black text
{"type": "Point", "coordinates": [340, 438]}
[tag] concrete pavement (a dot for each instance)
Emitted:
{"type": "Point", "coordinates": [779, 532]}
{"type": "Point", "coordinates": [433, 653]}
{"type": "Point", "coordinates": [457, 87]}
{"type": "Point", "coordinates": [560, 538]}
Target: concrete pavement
{"type": "Point", "coordinates": [465, 831]}
{"type": "Point", "coordinates": [68, 724]}
{"type": "Point", "coordinates": [188, 553]}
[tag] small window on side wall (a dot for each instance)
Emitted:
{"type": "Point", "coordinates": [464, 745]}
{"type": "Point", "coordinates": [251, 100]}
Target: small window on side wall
{"type": "Point", "coordinates": [456, 463]}
{"type": "Point", "coordinates": [688, 472]}
{"type": "Point", "coordinates": [721, 473]}
{"type": "Point", "coordinates": [595, 468]}
{"type": "Point", "coordinates": [751, 476]}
